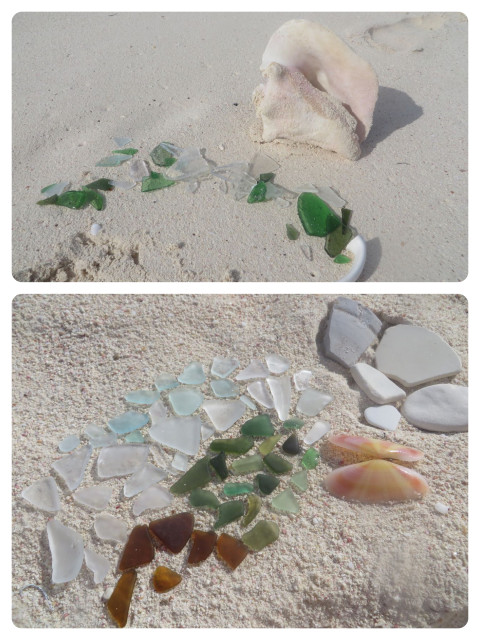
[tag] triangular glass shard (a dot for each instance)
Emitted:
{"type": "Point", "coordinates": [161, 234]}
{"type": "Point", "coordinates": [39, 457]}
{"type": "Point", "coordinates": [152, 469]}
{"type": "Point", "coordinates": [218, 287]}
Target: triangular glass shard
{"type": "Point", "coordinates": [128, 421]}
{"type": "Point", "coordinates": [128, 152]}
{"type": "Point", "coordinates": [292, 233]}
{"type": "Point", "coordinates": [185, 401]}
{"type": "Point", "coordinates": [256, 369]}
{"type": "Point", "coordinates": [161, 157]}
{"type": "Point", "coordinates": [286, 501]}
{"type": "Point", "coordinates": [121, 141]}
{"type": "Point", "coordinates": [261, 163]}
{"type": "Point", "coordinates": [312, 401]}
{"type": "Point", "coordinates": [223, 367]}
{"type": "Point", "coordinates": [182, 434]}
{"type": "Point", "coordinates": [135, 436]}
{"type": "Point", "coordinates": [231, 550]}
{"type": "Point", "coordinates": [156, 181]}
{"type": "Point", "coordinates": [95, 497]}
{"type": "Point", "coordinates": [190, 164]}
{"type": "Point", "coordinates": [171, 148]}
{"type": "Point", "coordinates": [291, 446]}
{"type": "Point", "coordinates": [254, 504]}
{"type": "Point", "coordinates": [277, 464]}
{"type": "Point", "coordinates": [224, 413]}
{"type": "Point", "coordinates": [228, 512]}
{"type": "Point", "coordinates": [338, 240]}
{"type": "Point", "coordinates": [108, 527]}
{"type": "Point", "coordinates": [122, 184]}
{"type": "Point", "coordinates": [138, 170]}
{"type": "Point", "coordinates": [206, 431]}
{"type": "Point", "coordinates": [98, 564]}
{"type": "Point", "coordinates": [263, 533]}
{"type": "Point", "coordinates": [174, 531]}
{"type": "Point", "coordinates": [280, 389]}
{"type": "Point", "coordinates": [69, 443]}
{"type": "Point", "coordinates": [165, 381]}
{"type": "Point", "coordinates": [118, 604]}
{"type": "Point", "coordinates": [43, 494]}
{"type": "Point", "coordinates": [180, 462]}
{"type": "Point", "coordinates": [203, 543]}
{"type": "Point", "coordinates": [258, 427]}
{"type": "Point", "coordinates": [259, 392]}
{"type": "Point", "coordinates": [158, 411]}
{"type": "Point", "coordinates": [66, 547]}
{"type": "Point", "coordinates": [198, 475]}
{"type": "Point", "coordinates": [310, 458]}
{"type": "Point", "coordinates": [318, 430]}
{"type": "Point", "coordinates": [258, 193]}
{"type": "Point", "coordinates": [55, 189]}
{"type": "Point", "coordinates": [219, 465]}
{"type": "Point", "coordinates": [138, 549]}
{"type": "Point", "coordinates": [98, 437]}
{"type": "Point", "coordinates": [121, 459]}
{"type": "Point", "coordinates": [204, 498]}
{"type": "Point", "coordinates": [142, 479]}
{"type": "Point", "coordinates": [142, 396]}
{"type": "Point", "coordinates": [155, 497]}
{"type": "Point", "coordinates": [113, 161]}
{"type": "Point", "coordinates": [317, 218]}
{"type": "Point", "coordinates": [302, 379]}
{"type": "Point", "coordinates": [224, 388]}
{"type": "Point", "coordinates": [277, 364]}
{"type": "Point", "coordinates": [331, 197]}
{"type": "Point", "coordinates": [300, 480]}
{"type": "Point", "coordinates": [193, 373]}
{"type": "Point", "coordinates": [164, 579]}
{"type": "Point", "coordinates": [72, 467]}
{"type": "Point", "coordinates": [266, 483]}
{"type": "Point", "coordinates": [269, 444]}
{"type": "Point", "coordinates": [247, 401]}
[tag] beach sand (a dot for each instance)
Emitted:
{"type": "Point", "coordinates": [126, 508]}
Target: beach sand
{"type": "Point", "coordinates": [335, 564]}
{"type": "Point", "coordinates": [79, 79]}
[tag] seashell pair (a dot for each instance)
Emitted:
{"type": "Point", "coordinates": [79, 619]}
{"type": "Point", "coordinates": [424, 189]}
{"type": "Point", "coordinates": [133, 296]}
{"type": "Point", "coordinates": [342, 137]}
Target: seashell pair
{"type": "Point", "coordinates": [376, 480]}
{"type": "Point", "coordinates": [317, 89]}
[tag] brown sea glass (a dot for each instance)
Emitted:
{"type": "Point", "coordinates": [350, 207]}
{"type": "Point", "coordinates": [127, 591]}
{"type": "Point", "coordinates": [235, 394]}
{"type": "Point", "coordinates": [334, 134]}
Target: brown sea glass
{"type": "Point", "coordinates": [202, 547]}
{"type": "Point", "coordinates": [118, 604]}
{"type": "Point", "coordinates": [138, 549]}
{"type": "Point", "coordinates": [173, 532]}
{"type": "Point", "coordinates": [231, 550]}
{"type": "Point", "coordinates": [165, 579]}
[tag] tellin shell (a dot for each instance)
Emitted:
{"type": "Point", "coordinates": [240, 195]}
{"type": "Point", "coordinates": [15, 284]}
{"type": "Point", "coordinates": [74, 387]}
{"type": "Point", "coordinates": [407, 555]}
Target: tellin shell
{"type": "Point", "coordinates": [376, 448]}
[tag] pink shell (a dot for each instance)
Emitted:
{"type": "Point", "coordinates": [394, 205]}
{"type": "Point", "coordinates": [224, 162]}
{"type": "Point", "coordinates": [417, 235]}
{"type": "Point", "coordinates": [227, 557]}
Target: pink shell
{"type": "Point", "coordinates": [376, 448]}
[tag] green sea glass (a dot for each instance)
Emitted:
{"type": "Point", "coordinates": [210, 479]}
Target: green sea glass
{"type": "Point", "coordinates": [258, 427]}
{"type": "Point", "coordinates": [161, 157]}
{"type": "Point", "coordinates": [219, 465]}
{"type": "Point", "coordinates": [263, 533]}
{"type": "Point", "coordinates": [228, 512]}
{"type": "Point", "coordinates": [233, 446]}
{"type": "Point", "coordinates": [266, 483]}
{"type": "Point", "coordinates": [291, 445]}
{"type": "Point", "coordinates": [197, 476]}
{"type": "Point", "coordinates": [155, 181]}
{"type": "Point", "coordinates": [94, 198]}
{"type": "Point", "coordinates": [268, 444]}
{"type": "Point", "coordinates": [341, 259]}
{"type": "Point", "coordinates": [248, 464]}
{"type": "Point", "coordinates": [258, 193]}
{"type": "Point", "coordinates": [112, 161]}
{"type": "Point", "coordinates": [51, 200]}
{"type": "Point", "coordinates": [237, 488]}
{"type": "Point", "coordinates": [336, 241]}
{"type": "Point", "coordinates": [266, 177]}
{"type": "Point", "coordinates": [253, 507]}
{"type": "Point", "coordinates": [286, 501]}
{"type": "Point", "coordinates": [292, 233]}
{"type": "Point", "coordinates": [73, 199]}
{"type": "Point", "coordinates": [316, 216]}
{"type": "Point", "coordinates": [310, 458]}
{"type": "Point", "coordinates": [204, 498]}
{"type": "Point", "coordinates": [293, 423]}
{"type": "Point", "coordinates": [102, 183]}
{"type": "Point", "coordinates": [128, 151]}
{"type": "Point", "coordinates": [277, 464]}
{"type": "Point", "coordinates": [300, 480]}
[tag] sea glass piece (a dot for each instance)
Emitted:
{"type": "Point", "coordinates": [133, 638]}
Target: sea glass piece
{"type": "Point", "coordinates": [50, 200]}
{"type": "Point", "coordinates": [142, 396]}
{"type": "Point", "coordinates": [247, 401]}
{"type": "Point", "coordinates": [185, 401]}
{"type": "Point", "coordinates": [286, 501]}
{"type": "Point", "coordinates": [128, 421]}
{"type": "Point", "coordinates": [155, 181]}
{"type": "Point", "coordinates": [98, 437]}
{"type": "Point", "coordinates": [253, 508]}
{"type": "Point", "coordinates": [98, 564]}
{"type": "Point", "coordinates": [73, 199]}
{"type": "Point", "coordinates": [158, 411]}
{"type": "Point", "coordinates": [204, 498]}
{"type": "Point", "coordinates": [180, 433]}
{"type": "Point", "coordinates": [219, 465]}
{"type": "Point", "coordinates": [112, 161]}
{"type": "Point", "coordinates": [237, 488]}
{"type": "Point", "coordinates": [173, 532]}
{"type": "Point", "coordinates": [138, 550]}
{"type": "Point", "coordinates": [198, 475]}
{"type": "Point", "coordinates": [121, 459]}
{"type": "Point", "coordinates": [135, 436]}
{"type": "Point", "coordinates": [129, 151]}
{"type": "Point", "coordinates": [180, 461]}
{"type": "Point", "coordinates": [228, 512]}
{"type": "Point", "coordinates": [302, 379]}
{"type": "Point", "coordinates": [266, 483]}
{"type": "Point", "coordinates": [293, 423]}
{"type": "Point", "coordinates": [233, 446]}
{"type": "Point", "coordinates": [224, 388]}
{"type": "Point", "coordinates": [72, 467]}
{"type": "Point", "coordinates": [138, 170]}
{"type": "Point", "coordinates": [122, 184]}
{"type": "Point", "coordinates": [268, 444]}
{"type": "Point", "coordinates": [232, 551]}
{"type": "Point", "coordinates": [165, 381]}
{"type": "Point", "coordinates": [266, 177]}
{"type": "Point", "coordinates": [307, 252]}
{"type": "Point", "coordinates": [283, 204]}
{"type": "Point", "coordinates": [193, 373]}
{"type": "Point", "coordinates": [310, 458]}
{"type": "Point", "coordinates": [121, 141]}
{"type": "Point", "coordinates": [108, 527]}
{"type": "Point", "coordinates": [224, 413]}
{"type": "Point", "coordinates": [164, 579]}
{"type": "Point", "coordinates": [277, 364]}
{"type": "Point", "coordinates": [260, 164]}
{"type": "Point", "coordinates": [256, 369]}
{"type": "Point", "coordinates": [341, 259]}
{"type": "Point", "coordinates": [336, 241]}
{"type": "Point", "coordinates": [263, 533]}
{"type": "Point", "coordinates": [316, 216]}
{"type": "Point", "coordinates": [43, 494]}
{"type": "Point", "coordinates": [223, 367]}
{"type": "Point", "coordinates": [291, 446]}
{"type": "Point", "coordinates": [280, 389]}
{"type": "Point", "coordinates": [97, 200]}
{"type": "Point", "coordinates": [300, 480]}
{"type": "Point", "coordinates": [259, 392]}
{"type": "Point", "coordinates": [69, 443]}
{"type": "Point", "coordinates": [318, 430]}
{"type": "Point", "coordinates": [312, 401]}
{"type": "Point", "coordinates": [258, 193]}
{"type": "Point", "coordinates": [94, 497]}
{"type": "Point", "coordinates": [66, 547]}
{"type": "Point", "coordinates": [248, 464]}
{"type": "Point", "coordinates": [55, 189]}
{"type": "Point", "coordinates": [171, 148]}
{"type": "Point", "coordinates": [206, 431]}
{"type": "Point", "coordinates": [155, 497]}
{"type": "Point", "coordinates": [331, 197]}
{"type": "Point", "coordinates": [118, 604]}
{"type": "Point", "coordinates": [161, 157]}
{"type": "Point", "coordinates": [277, 463]}
{"type": "Point", "coordinates": [258, 427]}
{"type": "Point", "coordinates": [145, 477]}
{"type": "Point", "coordinates": [203, 543]}
{"type": "Point", "coordinates": [190, 165]}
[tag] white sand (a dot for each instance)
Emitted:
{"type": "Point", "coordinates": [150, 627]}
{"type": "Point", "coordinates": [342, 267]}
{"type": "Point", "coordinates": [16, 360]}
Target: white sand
{"type": "Point", "coordinates": [81, 79]}
{"type": "Point", "coordinates": [336, 564]}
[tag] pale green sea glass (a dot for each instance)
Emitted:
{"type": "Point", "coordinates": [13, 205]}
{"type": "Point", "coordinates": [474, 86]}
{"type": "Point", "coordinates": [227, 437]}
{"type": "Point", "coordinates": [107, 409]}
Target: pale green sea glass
{"type": "Point", "coordinates": [286, 501]}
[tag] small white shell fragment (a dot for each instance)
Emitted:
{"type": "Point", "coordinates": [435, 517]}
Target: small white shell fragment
{"type": "Point", "coordinates": [108, 527]}
{"type": "Point", "coordinates": [318, 430]}
{"type": "Point", "coordinates": [277, 364]}
{"type": "Point", "coordinates": [385, 417]}
{"type": "Point", "coordinates": [312, 401]}
{"type": "Point", "coordinates": [155, 497]}
{"type": "Point", "coordinates": [98, 564]}
{"type": "Point", "coordinates": [95, 228]}
{"type": "Point", "coordinates": [302, 379]}
{"type": "Point", "coordinates": [441, 508]}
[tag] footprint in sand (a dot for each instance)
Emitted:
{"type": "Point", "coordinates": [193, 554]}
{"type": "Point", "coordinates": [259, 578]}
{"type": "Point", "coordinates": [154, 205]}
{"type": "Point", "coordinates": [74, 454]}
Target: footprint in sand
{"type": "Point", "coordinates": [408, 34]}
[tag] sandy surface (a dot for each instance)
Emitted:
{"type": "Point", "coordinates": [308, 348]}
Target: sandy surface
{"type": "Point", "coordinates": [336, 564]}
{"type": "Point", "coordinates": [188, 78]}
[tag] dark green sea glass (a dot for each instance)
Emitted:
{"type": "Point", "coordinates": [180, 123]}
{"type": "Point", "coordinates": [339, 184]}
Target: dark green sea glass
{"type": "Point", "coordinates": [94, 198]}
{"type": "Point", "coordinates": [253, 507]}
{"type": "Point", "coordinates": [291, 445]}
{"type": "Point", "coordinates": [266, 483]}
{"type": "Point", "coordinates": [127, 152]}
{"type": "Point", "coordinates": [228, 512]}
{"type": "Point", "coordinates": [233, 446]}
{"type": "Point", "coordinates": [292, 233]}
{"type": "Point", "coordinates": [341, 259]}
{"type": "Point", "coordinates": [310, 458]}
{"type": "Point", "coordinates": [198, 475]}
{"type": "Point", "coordinates": [102, 183]}
{"type": "Point", "coordinates": [51, 200]}
{"type": "Point", "coordinates": [237, 488]}
{"type": "Point", "coordinates": [219, 464]}
{"type": "Point", "coordinates": [258, 193]}
{"type": "Point", "coordinates": [156, 181]}
{"type": "Point", "coordinates": [204, 498]}
{"type": "Point", "coordinates": [161, 157]}
{"type": "Point", "coordinates": [316, 216]}
{"type": "Point", "coordinates": [258, 427]}
{"type": "Point", "coordinates": [293, 423]}
{"type": "Point", "coordinates": [277, 464]}
{"type": "Point", "coordinates": [266, 177]}
{"type": "Point", "coordinates": [73, 199]}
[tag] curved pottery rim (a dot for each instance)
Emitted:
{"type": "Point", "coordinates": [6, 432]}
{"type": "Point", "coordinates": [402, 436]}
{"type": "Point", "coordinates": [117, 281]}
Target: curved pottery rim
{"type": "Point", "coordinates": [358, 247]}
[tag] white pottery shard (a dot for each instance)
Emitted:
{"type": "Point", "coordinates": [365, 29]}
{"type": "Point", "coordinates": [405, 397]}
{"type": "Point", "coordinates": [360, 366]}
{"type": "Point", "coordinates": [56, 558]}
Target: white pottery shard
{"type": "Point", "coordinates": [440, 407]}
{"type": "Point", "coordinates": [376, 384]}
{"type": "Point", "coordinates": [385, 417]}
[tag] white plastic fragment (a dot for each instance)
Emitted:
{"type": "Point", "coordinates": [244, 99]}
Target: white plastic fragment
{"type": "Point", "coordinates": [66, 547]}
{"type": "Point", "coordinates": [107, 527]}
{"type": "Point", "coordinates": [98, 564]}
{"type": "Point", "coordinates": [43, 494]}
{"type": "Point", "coordinates": [155, 497]}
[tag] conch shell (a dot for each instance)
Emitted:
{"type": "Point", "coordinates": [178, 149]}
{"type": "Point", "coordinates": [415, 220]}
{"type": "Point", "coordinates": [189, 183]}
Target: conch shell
{"type": "Point", "coordinates": [328, 66]}
{"type": "Point", "coordinates": [376, 448]}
